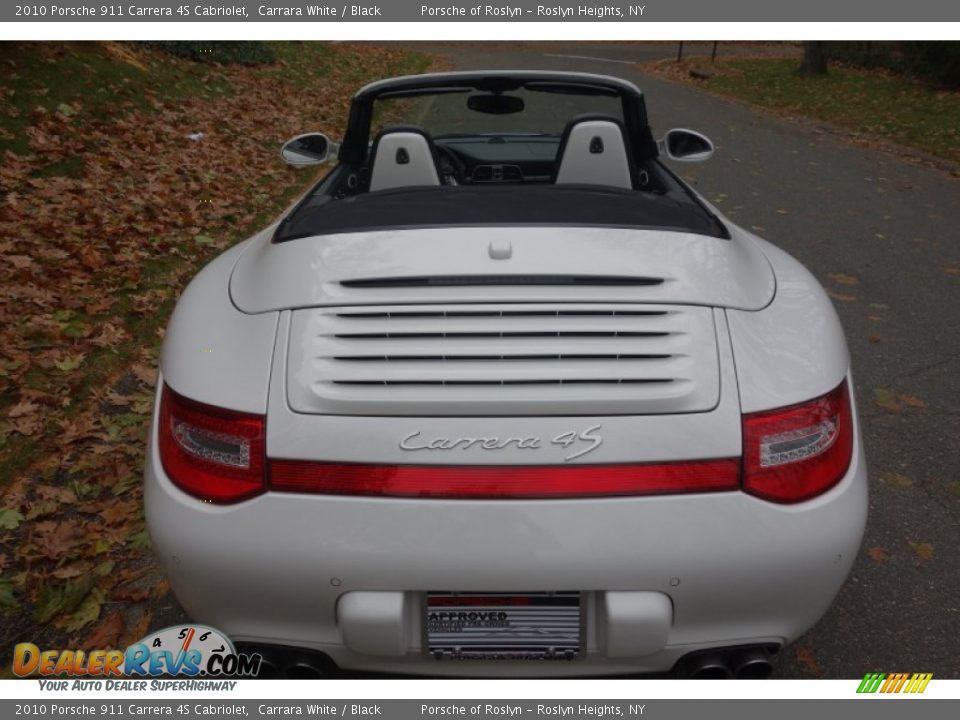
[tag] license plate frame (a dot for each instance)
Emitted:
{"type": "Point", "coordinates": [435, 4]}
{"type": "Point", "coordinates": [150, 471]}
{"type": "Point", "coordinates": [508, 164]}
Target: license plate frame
{"type": "Point", "coordinates": [504, 626]}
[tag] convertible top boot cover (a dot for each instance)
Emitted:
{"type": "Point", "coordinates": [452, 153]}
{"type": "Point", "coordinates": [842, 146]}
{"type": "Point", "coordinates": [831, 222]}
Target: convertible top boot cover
{"type": "Point", "coordinates": [548, 264]}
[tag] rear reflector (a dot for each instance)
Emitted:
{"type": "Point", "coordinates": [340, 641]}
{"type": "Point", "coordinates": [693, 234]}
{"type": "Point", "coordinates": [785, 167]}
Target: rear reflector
{"type": "Point", "coordinates": [796, 453]}
{"type": "Point", "coordinates": [503, 482]}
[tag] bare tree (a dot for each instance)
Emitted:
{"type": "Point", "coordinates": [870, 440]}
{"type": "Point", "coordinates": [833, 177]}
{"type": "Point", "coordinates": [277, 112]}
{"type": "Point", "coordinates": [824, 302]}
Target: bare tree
{"type": "Point", "coordinates": [814, 58]}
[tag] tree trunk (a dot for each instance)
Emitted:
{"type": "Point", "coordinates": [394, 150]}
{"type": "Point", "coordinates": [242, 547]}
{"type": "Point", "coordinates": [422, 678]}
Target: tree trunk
{"type": "Point", "coordinates": [814, 58]}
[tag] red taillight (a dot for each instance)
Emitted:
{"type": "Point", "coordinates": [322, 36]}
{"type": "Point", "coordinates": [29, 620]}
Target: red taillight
{"type": "Point", "coordinates": [795, 453]}
{"type": "Point", "coordinates": [503, 482]}
{"type": "Point", "coordinates": [214, 454]}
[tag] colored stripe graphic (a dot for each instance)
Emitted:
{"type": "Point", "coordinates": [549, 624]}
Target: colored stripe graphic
{"type": "Point", "coordinates": [894, 683]}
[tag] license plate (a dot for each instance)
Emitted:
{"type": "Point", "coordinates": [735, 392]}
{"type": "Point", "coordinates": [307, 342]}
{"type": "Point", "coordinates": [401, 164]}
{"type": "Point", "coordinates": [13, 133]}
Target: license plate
{"type": "Point", "coordinates": [504, 626]}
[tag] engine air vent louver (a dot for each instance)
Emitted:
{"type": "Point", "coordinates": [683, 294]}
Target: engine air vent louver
{"type": "Point", "coordinates": [503, 360]}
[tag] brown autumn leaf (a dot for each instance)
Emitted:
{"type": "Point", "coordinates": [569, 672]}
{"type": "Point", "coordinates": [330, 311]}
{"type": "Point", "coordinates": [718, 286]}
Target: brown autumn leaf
{"type": "Point", "coordinates": [131, 596]}
{"type": "Point", "coordinates": [91, 258]}
{"type": "Point", "coordinates": [897, 480]}
{"type": "Point", "coordinates": [57, 541]}
{"type": "Point", "coordinates": [842, 297]}
{"type": "Point", "coordinates": [163, 587]}
{"type": "Point", "coordinates": [98, 306]}
{"type": "Point", "coordinates": [27, 425]}
{"type": "Point", "coordinates": [145, 374]}
{"type": "Point", "coordinates": [118, 400]}
{"type": "Point", "coordinates": [887, 400]}
{"type": "Point", "coordinates": [106, 634]}
{"type": "Point", "coordinates": [878, 554]}
{"type": "Point", "coordinates": [56, 493]}
{"type": "Point", "coordinates": [23, 409]}
{"type": "Point", "coordinates": [807, 659]}
{"type": "Point", "coordinates": [4, 561]}
{"type": "Point", "coordinates": [923, 550]}
{"type": "Point", "coordinates": [873, 339]}
{"type": "Point", "coordinates": [119, 512]}
{"type": "Point", "coordinates": [912, 401]}
{"type": "Point", "coordinates": [72, 570]}
{"type": "Point", "coordinates": [843, 278]}
{"type": "Point", "coordinates": [110, 336]}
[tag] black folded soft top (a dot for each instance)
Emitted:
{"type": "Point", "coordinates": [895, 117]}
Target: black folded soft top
{"type": "Point", "coordinates": [507, 205]}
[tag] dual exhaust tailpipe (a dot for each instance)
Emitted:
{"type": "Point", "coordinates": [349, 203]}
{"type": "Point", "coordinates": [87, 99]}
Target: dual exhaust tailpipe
{"type": "Point", "coordinates": [753, 662]}
{"type": "Point", "coordinates": [283, 663]}
{"type": "Point", "coordinates": [747, 663]}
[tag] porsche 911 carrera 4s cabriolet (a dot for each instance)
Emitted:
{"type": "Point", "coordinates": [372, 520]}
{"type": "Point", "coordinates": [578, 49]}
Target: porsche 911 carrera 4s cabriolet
{"type": "Point", "coordinates": [501, 395]}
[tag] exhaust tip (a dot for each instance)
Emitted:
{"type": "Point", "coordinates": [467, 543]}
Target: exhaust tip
{"type": "Point", "coordinates": [712, 666]}
{"type": "Point", "coordinates": [753, 664]}
{"type": "Point", "coordinates": [267, 671]}
{"type": "Point", "coordinates": [303, 670]}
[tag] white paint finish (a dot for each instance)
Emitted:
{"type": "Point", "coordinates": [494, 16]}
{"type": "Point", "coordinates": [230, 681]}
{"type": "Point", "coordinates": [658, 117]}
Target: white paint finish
{"type": "Point", "coordinates": [795, 349]}
{"type": "Point", "coordinates": [696, 270]}
{"type": "Point", "coordinates": [389, 171]}
{"type": "Point", "coordinates": [211, 351]}
{"type": "Point", "coordinates": [790, 561]}
{"type": "Point", "coordinates": [375, 623]}
{"type": "Point", "coordinates": [626, 439]}
{"type": "Point", "coordinates": [582, 163]}
{"type": "Point", "coordinates": [635, 623]}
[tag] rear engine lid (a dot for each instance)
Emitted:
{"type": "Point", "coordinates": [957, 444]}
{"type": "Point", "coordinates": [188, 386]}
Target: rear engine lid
{"type": "Point", "coordinates": [502, 265]}
{"type": "Point", "coordinates": [502, 360]}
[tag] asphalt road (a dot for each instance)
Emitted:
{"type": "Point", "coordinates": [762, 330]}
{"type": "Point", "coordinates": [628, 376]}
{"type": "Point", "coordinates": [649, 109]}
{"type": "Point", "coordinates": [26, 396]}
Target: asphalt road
{"type": "Point", "coordinates": [892, 228]}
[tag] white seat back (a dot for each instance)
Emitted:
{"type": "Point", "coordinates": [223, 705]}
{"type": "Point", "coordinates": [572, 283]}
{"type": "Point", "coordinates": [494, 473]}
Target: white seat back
{"type": "Point", "coordinates": [402, 159]}
{"type": "Point", "coordinates": [596, 154]}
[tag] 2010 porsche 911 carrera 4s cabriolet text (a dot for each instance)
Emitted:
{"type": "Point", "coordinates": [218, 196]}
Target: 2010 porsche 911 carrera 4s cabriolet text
{"type": "Point", "coordinates": [501, 388]}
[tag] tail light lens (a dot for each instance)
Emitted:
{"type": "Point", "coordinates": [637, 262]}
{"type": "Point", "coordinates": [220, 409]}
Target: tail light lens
{"type": "Point", "coordinates": [503, 482]}
{"type": "Point", "coordinates": [214, 454]}
{"type": "Point", "coordinates": [795, 453]}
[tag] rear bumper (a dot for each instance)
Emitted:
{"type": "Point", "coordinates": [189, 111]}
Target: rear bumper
{"type": "Point", "coordinates": [736, 570]}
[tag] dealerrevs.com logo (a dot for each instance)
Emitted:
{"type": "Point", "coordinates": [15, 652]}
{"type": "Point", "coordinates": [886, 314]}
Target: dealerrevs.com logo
{"type": "Point", "coordinates": [183, 650]}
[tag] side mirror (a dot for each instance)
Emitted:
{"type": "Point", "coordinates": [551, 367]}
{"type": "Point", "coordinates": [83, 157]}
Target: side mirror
{"type": "Point", "coordinates": [308, 149]}
{"type": "Point", "coordinates": [686, 146]}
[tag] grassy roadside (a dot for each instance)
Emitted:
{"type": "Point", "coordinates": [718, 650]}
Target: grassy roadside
{"type": "Point", "coordinates": [873, 104]}
{"type": "Point", "coordinates": [123, 169]}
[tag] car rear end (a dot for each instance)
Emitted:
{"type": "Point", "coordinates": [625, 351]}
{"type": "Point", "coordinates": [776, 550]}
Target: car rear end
{"type": "Point", "coordinates": [541, 487]}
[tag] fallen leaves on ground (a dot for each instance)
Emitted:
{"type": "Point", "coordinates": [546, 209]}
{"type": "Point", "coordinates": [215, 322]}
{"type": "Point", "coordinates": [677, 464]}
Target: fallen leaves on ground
{"type": "Point", "coordinates": [91, 261]}
{"type": "Point", "coordinates": [895, 402]}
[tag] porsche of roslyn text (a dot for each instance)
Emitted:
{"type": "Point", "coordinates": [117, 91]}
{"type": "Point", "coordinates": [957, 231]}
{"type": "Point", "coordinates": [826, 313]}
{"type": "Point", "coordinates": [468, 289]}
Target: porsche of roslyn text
{"type": "Point", "coordinates": [501, 395]}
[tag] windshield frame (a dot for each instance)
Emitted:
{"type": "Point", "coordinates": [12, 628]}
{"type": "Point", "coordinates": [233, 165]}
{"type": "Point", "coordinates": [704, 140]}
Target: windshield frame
{"type": "Point", "coordinates": [356, 141]}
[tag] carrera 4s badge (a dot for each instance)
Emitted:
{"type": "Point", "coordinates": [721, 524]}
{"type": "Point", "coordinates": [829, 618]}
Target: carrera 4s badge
{"type": "Point", "coordinates": [580, 443]}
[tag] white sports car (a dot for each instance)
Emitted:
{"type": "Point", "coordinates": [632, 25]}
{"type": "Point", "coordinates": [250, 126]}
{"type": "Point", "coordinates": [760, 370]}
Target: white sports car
{"type": "Point", "coordinates": [502, 396]}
